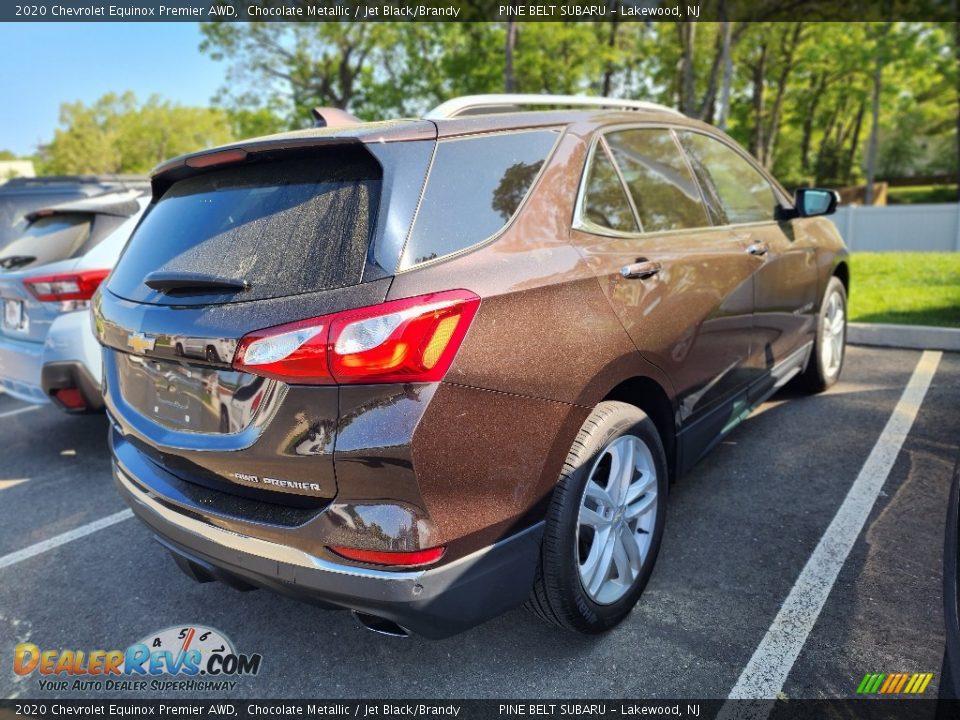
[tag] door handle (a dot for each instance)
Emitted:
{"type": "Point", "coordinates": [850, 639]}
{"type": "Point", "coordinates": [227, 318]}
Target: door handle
{"type": "Point", "coordinates": [758, 248]}
{"type": "Point", "coordinates": [641, 269]}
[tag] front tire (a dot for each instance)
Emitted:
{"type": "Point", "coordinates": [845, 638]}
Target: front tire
{"type": "Point", "coordinates": [829, 349]}
{"type": "Point", "coordinates": [605, 522]}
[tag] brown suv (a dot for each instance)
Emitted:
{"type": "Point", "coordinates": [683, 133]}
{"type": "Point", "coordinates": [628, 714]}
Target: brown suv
{"type": "Point", "coordinates": [427, 370]}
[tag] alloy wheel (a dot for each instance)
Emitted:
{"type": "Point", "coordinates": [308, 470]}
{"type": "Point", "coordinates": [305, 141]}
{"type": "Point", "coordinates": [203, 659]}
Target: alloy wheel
{"type": "Point", "coordinates": [618, 514]}
{"type": "Point", "coordinates": [833, 335]}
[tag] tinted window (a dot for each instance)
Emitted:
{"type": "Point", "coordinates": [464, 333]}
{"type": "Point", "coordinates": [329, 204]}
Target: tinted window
{"type": "Point", "coordinates": [606, 203]}
{"type": "Point", "coordinates": [744, 195]}
{"type": "Point", "coordinates": [664, 191]}
{"type": "Point", "coordinates": [14, 207]}
{"type": "Point", "coordinates": [475, 186]}
{"type": "Point", "coordinates": [287, 227]}
{"type": "Point", "coordinates": [46, 240]}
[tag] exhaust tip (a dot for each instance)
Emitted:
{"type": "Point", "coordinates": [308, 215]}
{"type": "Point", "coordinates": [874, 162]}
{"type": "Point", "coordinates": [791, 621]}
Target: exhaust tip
{"type": "Point", "coordinates": [380, 625]}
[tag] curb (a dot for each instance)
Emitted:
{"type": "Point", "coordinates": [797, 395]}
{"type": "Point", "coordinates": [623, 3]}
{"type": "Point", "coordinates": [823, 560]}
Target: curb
{"type": "Point", "coordinates": [913, 337]}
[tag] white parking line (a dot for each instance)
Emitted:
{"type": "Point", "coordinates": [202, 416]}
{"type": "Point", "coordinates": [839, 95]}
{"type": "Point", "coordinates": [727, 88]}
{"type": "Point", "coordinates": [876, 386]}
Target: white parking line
{"type": "Point", "coordinates": [62, 539]}
{"type": "Point", "coordinates": [766, 673]}
{"type": "Point", "coordinates": [11, 413]}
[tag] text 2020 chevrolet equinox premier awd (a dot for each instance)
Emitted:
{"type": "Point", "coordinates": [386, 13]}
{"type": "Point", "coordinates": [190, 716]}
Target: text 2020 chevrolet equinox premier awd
{"type": "Point", "coordinates": [430, 369]}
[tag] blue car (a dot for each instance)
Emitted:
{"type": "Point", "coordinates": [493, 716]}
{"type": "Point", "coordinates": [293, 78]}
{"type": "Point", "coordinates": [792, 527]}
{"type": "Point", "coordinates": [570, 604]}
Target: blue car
{"type": "Point", "coordinates": [47, 277]}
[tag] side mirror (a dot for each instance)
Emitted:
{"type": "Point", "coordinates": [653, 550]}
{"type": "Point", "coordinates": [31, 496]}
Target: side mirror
{"type": "Point", "coordinates": [811, 202]}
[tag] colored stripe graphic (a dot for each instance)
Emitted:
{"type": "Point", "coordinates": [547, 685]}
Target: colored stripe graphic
{"type": "Point", "coordinates": [894, 683]}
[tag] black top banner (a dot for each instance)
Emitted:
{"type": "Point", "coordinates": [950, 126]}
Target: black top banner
{"type": "Point", "coordinates": [479, 10]}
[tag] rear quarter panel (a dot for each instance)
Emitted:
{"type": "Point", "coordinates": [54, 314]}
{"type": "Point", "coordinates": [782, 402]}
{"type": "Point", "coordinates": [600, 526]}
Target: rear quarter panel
{"type": "Point", "coordinates": [544, 348]}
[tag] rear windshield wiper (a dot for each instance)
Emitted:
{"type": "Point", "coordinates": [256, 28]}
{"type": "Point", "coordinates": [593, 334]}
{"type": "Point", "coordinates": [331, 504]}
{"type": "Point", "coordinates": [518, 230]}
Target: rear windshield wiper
{"type": "Point", "coordinates": [15, 261]}
{"type": "Point", "coordinates": [185, 283]}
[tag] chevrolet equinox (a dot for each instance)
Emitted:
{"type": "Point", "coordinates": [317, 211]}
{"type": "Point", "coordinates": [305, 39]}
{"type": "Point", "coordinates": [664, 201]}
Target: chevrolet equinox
{"type": "Point", "coordinates": [430, 370]}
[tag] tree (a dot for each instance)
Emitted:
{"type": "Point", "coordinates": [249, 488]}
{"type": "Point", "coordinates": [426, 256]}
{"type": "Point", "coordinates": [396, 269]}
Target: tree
{"type": "Point", "coordinates": [386, 69]}
{"type": "Point", "coordinates": [288, 68]}
{"type": "Point", "coordinates": [117, 134]}
{"type": "Point", "coordinates": [880, 58]}
{"type": "Point", "coordinates": [800, 95]}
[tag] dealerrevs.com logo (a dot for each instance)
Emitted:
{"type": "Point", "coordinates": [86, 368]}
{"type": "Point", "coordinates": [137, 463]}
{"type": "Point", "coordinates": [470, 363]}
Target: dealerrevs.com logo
{"type": "Point", "coordinates": [186, 658]}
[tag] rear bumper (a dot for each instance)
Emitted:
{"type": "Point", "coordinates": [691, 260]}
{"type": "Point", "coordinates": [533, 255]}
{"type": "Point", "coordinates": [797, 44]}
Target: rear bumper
{"type": "Point", "coordinates": [20, 364]}
{"type": "Point", "coordinates": [435, 603]}
{"type": "Point", "coordinates": [71, 375]}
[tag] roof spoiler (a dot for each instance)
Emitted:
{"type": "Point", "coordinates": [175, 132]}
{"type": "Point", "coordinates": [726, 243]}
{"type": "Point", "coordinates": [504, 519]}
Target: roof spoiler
{"type": "Point", "coordinates": [333, 117]}
{"type": "Point", "coordinates": [120, 204]}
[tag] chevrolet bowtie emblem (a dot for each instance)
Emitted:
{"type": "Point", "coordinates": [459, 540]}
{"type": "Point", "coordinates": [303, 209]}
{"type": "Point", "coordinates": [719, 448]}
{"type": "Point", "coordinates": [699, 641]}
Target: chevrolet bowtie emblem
{"type": "Point", "coordinates": [141, 343]}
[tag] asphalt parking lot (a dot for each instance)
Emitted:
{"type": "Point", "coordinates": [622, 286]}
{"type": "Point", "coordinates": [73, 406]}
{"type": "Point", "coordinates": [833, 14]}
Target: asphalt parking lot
{"type": "Point", "coordinates": [740, 531]}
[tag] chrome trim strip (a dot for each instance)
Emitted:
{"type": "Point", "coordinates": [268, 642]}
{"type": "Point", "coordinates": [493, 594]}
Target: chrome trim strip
{"type": "Point", "coordinates": [791, 365]}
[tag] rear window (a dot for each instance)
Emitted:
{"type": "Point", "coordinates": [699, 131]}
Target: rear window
{"type": "Point", "coordinates": [46, 240]}
{"type": "Point", "coordinates": [14, 207]}
{"type": "Point", "coordinates": [476, 184]}
{"type": "Point", "coordinates": [606, 203]}
{"type": "Point", "coordinates": [286, 226]}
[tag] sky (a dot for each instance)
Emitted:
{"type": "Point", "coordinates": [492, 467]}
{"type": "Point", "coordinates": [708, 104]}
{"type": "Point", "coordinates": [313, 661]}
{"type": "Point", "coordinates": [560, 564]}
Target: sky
{"type": "Point", "coordinates": [45, 64]}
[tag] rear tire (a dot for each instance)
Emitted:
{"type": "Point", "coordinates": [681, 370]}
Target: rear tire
{"type": "Point", "coordinates": [590, 575]}
{"type": "Point", "coordinates": [829, 348]}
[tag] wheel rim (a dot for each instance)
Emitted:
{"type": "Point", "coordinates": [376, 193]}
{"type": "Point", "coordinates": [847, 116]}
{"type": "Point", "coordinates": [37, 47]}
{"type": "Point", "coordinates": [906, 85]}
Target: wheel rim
{"type": "Point", "coordinates": [618, 514]}
{"type": "Point", "coordinates": [833, 335]}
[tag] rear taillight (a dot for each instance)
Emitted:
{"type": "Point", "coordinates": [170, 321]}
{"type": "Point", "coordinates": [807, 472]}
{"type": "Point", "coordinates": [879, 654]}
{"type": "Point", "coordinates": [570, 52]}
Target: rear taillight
{"type": "Point", "coordinates": [409, 340]}
{"type": "Point", "coordinates": [66, 286]}
{"type": "Point", "coordinates": [396, 559]}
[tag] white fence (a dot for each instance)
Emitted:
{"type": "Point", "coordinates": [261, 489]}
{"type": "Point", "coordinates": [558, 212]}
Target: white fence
{"type": "Point", "coordinates": [930, 228]}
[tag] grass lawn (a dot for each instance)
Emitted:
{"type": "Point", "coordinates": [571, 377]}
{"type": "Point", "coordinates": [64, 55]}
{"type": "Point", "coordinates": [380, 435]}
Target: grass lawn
{"type": "Point", "coordinates": [905, 288]}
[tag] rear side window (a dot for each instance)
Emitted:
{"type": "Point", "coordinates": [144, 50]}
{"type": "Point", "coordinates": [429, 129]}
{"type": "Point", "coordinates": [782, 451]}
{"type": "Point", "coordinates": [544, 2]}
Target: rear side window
{"type": "Point", "coordinates": [47, 240]}
{"type": "Point", "coordinates": [606, 203]}
{"type": "Point", "coordinates": [660, 182]}
{"type": "Point", "coordinates": [475, 186]}
{"type": "Point", "coordinates": [743, 193]}
{"type": "Point", "coordinates": [286, 226]}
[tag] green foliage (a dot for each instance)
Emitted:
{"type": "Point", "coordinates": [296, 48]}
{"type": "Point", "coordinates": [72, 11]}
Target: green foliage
{"type": "Point", "coordinates": [118, 134]}
{"type": "Point", "coordinates": [918, 194]}
{"type": "Point", "coordinates": [800, 94]}
{"type": "Point", "coordinates": [7, 155]}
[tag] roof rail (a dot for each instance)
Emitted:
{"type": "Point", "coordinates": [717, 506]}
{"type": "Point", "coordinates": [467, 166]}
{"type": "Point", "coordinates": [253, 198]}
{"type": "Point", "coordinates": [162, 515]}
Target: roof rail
{"type": "Point", "coordinates": [483, 104]}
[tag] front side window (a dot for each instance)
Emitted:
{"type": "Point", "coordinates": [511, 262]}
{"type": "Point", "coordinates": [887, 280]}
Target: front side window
{"type": "Point", "coordinates": [475, 186]}
{"type": "Point", "coordinates": [742, 192]}
{"type": "Point", "coordinates": [660, 182]}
